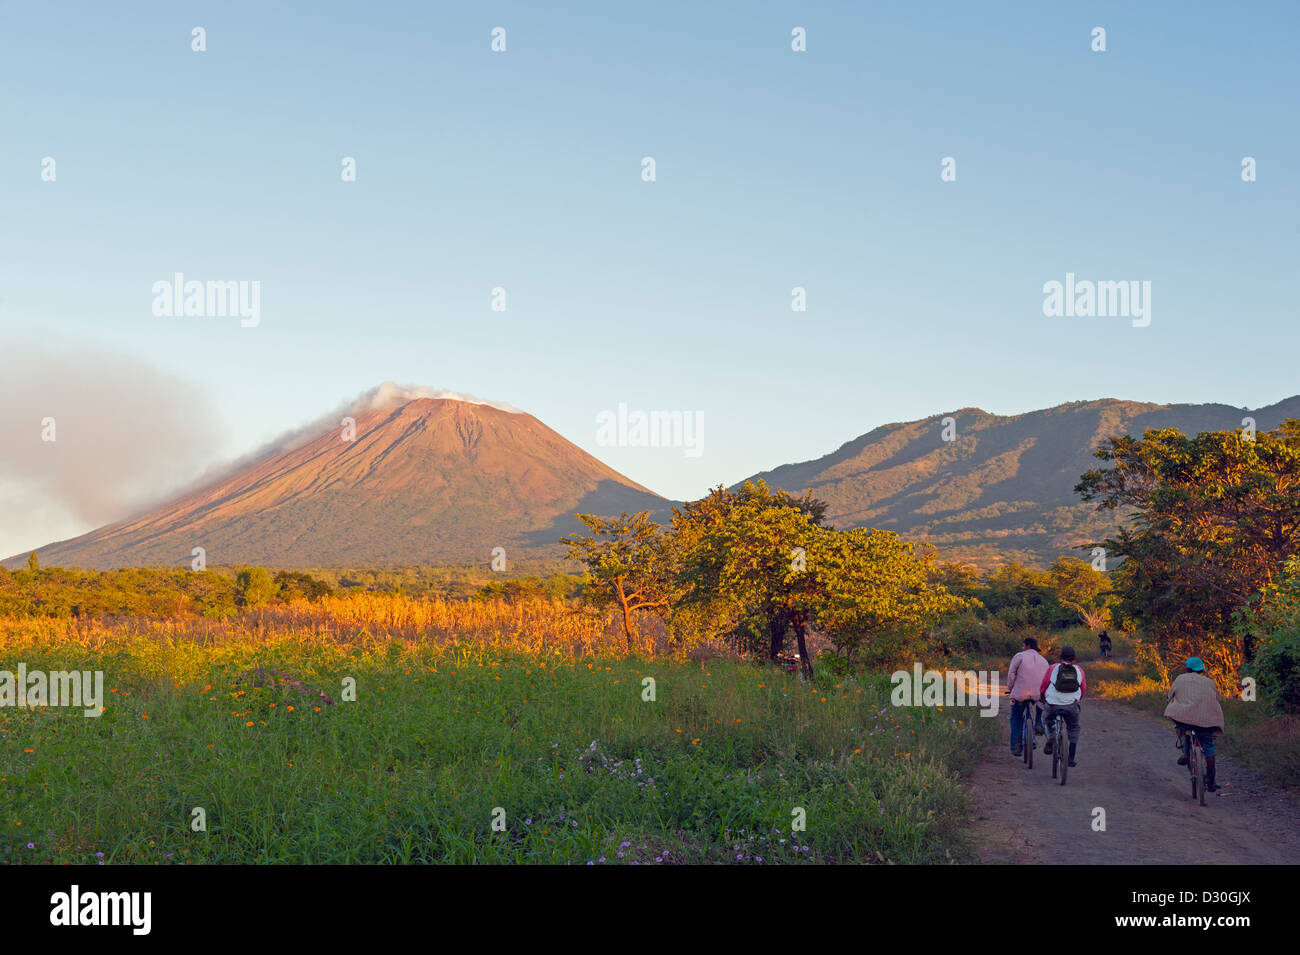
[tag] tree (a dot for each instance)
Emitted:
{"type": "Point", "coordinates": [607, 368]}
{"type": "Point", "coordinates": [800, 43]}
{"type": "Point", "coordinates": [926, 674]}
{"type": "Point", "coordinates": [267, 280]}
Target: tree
{"type": "Point", "coordinates": [255, 586]}
{"type": "Point", "coordinates": [750, 558]}
{"type": "Point", "coordinates": [766, 557]}
{"type": "Point", "coordinates": [1271, 621]}
{"type": "Point", "coordinates": [1083, 589]}
{"type": "Point", "coordinates": [875, 592]}
{"type": "Point", "coordinates": [1210, 521]}
{"type": "Point", "coordinates": [33, 562]}
{"type": "Point", "coordinates": [628, 564]}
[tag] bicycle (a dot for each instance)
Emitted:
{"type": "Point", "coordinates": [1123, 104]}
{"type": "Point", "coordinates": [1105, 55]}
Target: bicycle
{"type": "Point", "coordinates": [1195, 763]}
{"type": "Point", "coordinates": [1029, 738]}
{"type": "Point", "coordinates": [1060, 747]}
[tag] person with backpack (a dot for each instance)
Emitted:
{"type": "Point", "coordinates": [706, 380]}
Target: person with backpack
{"type": "Point", "coordinates": [1194, 708]}
{"type": "Point", "coordinates": [1062, 688]}
{"type": "Point", "coordinates": [1024, 676]}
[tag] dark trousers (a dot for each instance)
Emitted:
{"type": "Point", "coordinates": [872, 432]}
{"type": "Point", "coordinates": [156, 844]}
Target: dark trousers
{"type": "Point", "coordinates": [1204, 736]}
{"type": "Point", "coordinates": [1069, 713]}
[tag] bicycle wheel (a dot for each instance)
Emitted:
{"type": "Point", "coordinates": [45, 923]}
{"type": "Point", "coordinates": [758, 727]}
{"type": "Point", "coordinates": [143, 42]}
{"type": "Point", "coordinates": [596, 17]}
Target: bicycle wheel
{"type": "Point", "coordinates": [1056, 750]}
{"type": "Point", "coordinates": [1028, 741]}
{"type": "Point", "coordinates": [1201, 771]}
{"type": "Point", "coordinates": [1062, 742]}
{"type": "Point", "coordinates": [1193, 770]}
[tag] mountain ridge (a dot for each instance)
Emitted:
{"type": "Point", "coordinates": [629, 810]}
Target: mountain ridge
{"type": "Point", "coordinates": [1004, 487]}
{"type": "Point", "coordinates": [445, 480]}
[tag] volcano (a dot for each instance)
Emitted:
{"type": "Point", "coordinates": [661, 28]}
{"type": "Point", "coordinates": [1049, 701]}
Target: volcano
{"type": "Point", "coordinates": [429, 481]}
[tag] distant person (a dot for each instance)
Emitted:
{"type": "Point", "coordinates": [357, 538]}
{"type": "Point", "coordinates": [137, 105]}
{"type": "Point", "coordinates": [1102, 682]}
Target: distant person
{"type": "Point", "coordinates": [1023, 679]}
{"type": "Point", "coordinates": [1194, 708]}
{"type": "Point", "coordinates": [1062, 689]}
{"type": "Point", "coordinates": [1103, 645]}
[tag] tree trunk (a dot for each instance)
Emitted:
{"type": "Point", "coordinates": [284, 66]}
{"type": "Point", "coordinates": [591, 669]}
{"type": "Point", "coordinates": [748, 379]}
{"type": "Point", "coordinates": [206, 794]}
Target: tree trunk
{"type": "Point", "coordinates": [776, 630]}
{"type": "Point", "coordinates": [627, 615]}
{"type": "Point", "coordinates": [803, 650]}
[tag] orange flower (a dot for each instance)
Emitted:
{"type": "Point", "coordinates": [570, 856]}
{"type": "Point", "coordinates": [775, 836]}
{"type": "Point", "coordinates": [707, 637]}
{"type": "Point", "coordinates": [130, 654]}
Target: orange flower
{"type": "Point", "coordinates": [249, 723]}
{"type": "Point", "coordinates": [144, 716]}
{"type": "Point", "coordinates": [290, 707]}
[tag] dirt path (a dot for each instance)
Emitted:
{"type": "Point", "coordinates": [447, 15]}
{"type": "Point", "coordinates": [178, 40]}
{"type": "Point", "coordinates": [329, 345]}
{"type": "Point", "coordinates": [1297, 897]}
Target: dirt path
{"type": "Point", "coordinates": [1127, 767]}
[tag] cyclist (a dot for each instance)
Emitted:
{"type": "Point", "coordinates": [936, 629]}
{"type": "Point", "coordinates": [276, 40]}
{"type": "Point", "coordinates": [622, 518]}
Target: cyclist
{"type": "Point", "coordinates": [1023, 679]}
{"type": "Point", "coordinates": [1194, 708]}
{"type": "Point", "coordinates": [1062, 688]}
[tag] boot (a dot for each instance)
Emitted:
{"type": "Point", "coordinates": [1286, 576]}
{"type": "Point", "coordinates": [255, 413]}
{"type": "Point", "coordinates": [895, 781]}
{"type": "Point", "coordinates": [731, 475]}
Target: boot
{"type": "Point", "coordinates": [1187, 752]}
{"type": "Point", "coordinates": [1072, 746]}
{"type": "Point", "coordinates": [1210, 785]}
{"type": "Point", "coordinates": [1047, 748]}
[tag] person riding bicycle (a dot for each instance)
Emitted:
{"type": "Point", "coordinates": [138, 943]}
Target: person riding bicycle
{"type": "Point", "coordinates": [1103, 645]}
{"type": "Point", "coordinates": [1023, 679]}
{"type": "Point", "coordinates": [1194, 708]}
{"type": "Point", "coordinates": [1062, 688]}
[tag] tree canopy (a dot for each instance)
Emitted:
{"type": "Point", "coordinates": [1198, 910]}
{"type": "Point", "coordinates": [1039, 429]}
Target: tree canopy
{"type": "Point", "coordinates": [1211, 521]}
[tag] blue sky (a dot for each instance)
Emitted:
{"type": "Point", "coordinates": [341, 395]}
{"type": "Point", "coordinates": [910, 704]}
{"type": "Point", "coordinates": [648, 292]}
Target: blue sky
{"type": "Point", "coordinates": [775, 169]}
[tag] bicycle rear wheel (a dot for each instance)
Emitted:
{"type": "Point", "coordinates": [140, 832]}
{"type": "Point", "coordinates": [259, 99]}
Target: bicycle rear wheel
{"type": "Point", "coordinates": [1062, 744]}
{"type": "Point", "coordinates": [1028, 741]}
{"type": "Point", "coordinates": [1201, 772]}
{"type": "Point", "coordinates": [1193, 769]}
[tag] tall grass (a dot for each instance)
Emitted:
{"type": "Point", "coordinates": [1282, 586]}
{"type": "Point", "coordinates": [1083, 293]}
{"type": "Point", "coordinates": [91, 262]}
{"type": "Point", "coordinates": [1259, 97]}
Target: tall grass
{"type": "Point", "coordinates": [461, 710]}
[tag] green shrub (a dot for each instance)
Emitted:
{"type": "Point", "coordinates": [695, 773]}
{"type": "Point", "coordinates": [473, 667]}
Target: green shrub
{"type": "Point", "coordinates": [1276, 669]}
{"type": "Point", "coordinates": [255, 586]}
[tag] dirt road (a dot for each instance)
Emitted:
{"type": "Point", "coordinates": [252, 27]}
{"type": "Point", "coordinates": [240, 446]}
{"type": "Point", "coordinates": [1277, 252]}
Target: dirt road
{"type": "Point", "coordinates": [1126, 767]}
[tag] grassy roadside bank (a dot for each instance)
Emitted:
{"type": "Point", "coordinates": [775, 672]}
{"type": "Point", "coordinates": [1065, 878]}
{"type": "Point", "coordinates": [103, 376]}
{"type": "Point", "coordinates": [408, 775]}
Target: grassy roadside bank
{"type": "Point", "coordinates": [441, 741]}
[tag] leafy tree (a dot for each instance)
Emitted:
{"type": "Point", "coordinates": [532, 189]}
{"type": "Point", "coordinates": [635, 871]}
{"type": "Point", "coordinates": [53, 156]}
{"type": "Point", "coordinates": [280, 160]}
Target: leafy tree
{"type": "Point", "coordinates": [1083, 589]}
{"type": "Point", "coordinates": [255, 586]}
{"type": "Point", "coordinates": [767, 559]}
{"type": "Point", "coordinates": [749, 558]}
{"type": "Point", "coordinates": [291, 583]}
{"type": "Point", "coordinates": [1211, 519]}
{"type": "Point", "coordinates": [1020, 596]}
{"type": "Point", "coordinates": [627, 561]}
{"type": "Point", "coordinates": [33, 563]}
{"type": "Point", "coordinates": [875, 592]}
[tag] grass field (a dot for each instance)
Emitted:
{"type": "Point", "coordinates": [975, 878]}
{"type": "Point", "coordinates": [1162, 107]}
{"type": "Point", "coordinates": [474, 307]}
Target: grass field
{"type": "Point", "coordinates": [443, 735]}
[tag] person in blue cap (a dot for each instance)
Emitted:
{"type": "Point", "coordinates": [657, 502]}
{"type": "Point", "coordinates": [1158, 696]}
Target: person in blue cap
{"type": "Point", "coordinates": [1194, 708]}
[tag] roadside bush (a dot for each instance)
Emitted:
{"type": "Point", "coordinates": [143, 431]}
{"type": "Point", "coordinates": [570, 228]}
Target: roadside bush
{"type": "Point", "coordinates": [1276, 669]}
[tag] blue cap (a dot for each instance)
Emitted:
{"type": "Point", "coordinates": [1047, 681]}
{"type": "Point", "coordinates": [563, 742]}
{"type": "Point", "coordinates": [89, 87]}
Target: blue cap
{"type": "Point", "coordinates": [1194, 663]}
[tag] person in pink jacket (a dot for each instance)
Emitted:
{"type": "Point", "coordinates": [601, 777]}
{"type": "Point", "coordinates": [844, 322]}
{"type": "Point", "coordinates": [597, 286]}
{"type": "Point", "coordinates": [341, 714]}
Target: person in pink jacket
{"type": "Point", "coordinates": [1023, 679]}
